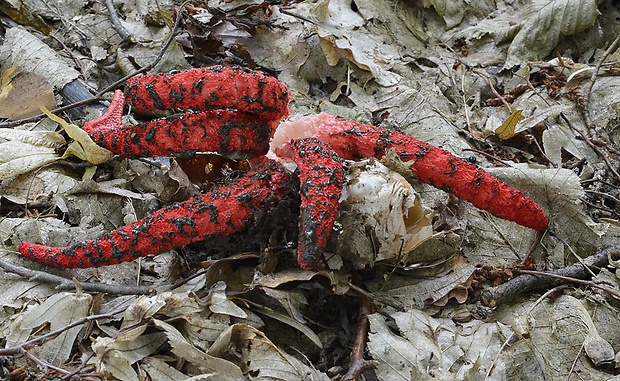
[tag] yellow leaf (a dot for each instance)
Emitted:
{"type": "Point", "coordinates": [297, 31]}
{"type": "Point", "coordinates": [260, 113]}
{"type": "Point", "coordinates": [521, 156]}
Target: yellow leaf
{"type": "Point", "coordinates": [82, 146]}
{"type": "Point", "coordinates": [5, 82]}
{"type": "Point", "coordinates": [507, 129]}
{"type": "Point", "coordinates": [89, 173]}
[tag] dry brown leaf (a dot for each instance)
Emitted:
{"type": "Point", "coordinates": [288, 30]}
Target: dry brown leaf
{"type": "Point", "coordinates": [22, 93]}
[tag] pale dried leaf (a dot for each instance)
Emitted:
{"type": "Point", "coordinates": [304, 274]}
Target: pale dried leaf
{"type": "Point", "coordinates": [253, 319]}
{"type": "Point", "coordinates": [206, 362]}
{"type": "Point", "coordinates": [168, 303]}
{"type": "Point", "coordinates": [22, 49]}
{"type": "Point", "coordinates": [161, 371]}
{"type": "Point", "coordinates": [178, 304]}
{"type": "Point", "coordinates": [130, 334]}
{"type": "Point", "coordinates": [96, 31]}
{"type": "Point", "coordinates": [496, 242]}
{"type": "Point", "coordinates": [46, 182]}
{"type": "Point", "coordinates": [559, 193]}
{"type": "Point", "coordinates": [26, 164]}
{"type": "Point", "coordinates": [452, 11]}
{"type": "Point", "coordinates": [41, 139]}
{"type": "Point", "coordinates": [194, 284]}
{"type": "Point", "coordinates": [556, 330]}
{"type": "Point", "coordinates": [14, 333]}
{"type": "Point", "coordinates": [113, 187]}
{"type": "Point", "coordinates": [597, 349]}
{"type": "Point", "coordinates": [388, 349]}
{"type": "Point", "coordinates": [283, 277]}
{"type": "Point", "coordinates": [604, 105]}
{"type": "Point", "coordinates": [558, 137]}
{"type": "Point", "coordinates": [59, 310]}
{"type": "Point", "coordinates": [428, 345]}
{"type": "Point", "coordinates": [203, 328]}
{"type": "Point", "coordinates": [293, 301]}
{"type": "Point", "coordinates": [348, 34]}
{"type": "Point", "coordinates": [16, 291]}
{"type": "Point", "coordinates": [502, 28]}
{"type": "Point", "coordinates": [419, 107]}
{"type": "Point", "coordinates": [547, 22]}
{"type": "Point", "coordinates": [26, 151]}
{"type": "Point", "coordinates": [535, 29]}
{"type": "Point", "coordinates": [260, 357]}
{"type": "Point", "coordinates": [301, 327]}
{"type": "Point", "coordinates": [65, 10]}
{"type": "Point", "coordinates": [143, 308]}
{"type": "Point", "coordinates": [540, 116]}
{"type": "Point", "coordinates": [220, 304]}
{"type": "Point", "coordinates": [138, 348]}
{"type": "Point", "coordinates": [434, 288]}
{"type": "Point", "coordinates": [112, 360]}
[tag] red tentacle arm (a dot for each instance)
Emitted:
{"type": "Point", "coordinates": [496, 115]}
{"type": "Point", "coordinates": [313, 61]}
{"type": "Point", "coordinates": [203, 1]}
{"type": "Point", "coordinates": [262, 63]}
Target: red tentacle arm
{"type": "Point", "coordinates": [321, 177]}
{"type": "Point", "coordinates": [226, 210]}
{"type": "Point", "coordinates": [221, 87]}
{"type": "Point", "coordinates": [236, 135]}
{"type": "Point", "coordinates": [432, 165]}
{"type": "Point", "coordinates": [236, 111]}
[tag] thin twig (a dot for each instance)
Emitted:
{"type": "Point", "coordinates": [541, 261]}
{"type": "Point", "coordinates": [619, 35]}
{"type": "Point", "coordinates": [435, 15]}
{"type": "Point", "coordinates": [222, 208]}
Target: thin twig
{"type": "Point", "coordinates": [494, 90]}
{"type": "Point", "coordinates": [116, 23]}
{"type": "Point", "coordinates": [81, 368]}
{"type": "Point", "coordinates": [601, 208]}
{"type": "Point", "coordinates": [358, 363]}
{"type": "Point", "coordinates": [592, 145]}
{"type": "Point", "coordinates": [604, 195]}
{"type": "Point", "coordinates": [611, 49]}
{"type": "Point", "coordinates": [41, 363]}
{"type": "Point", "coordinates": [529, 282]}
{"type": "Point", "coordinates": [58, 110]}
{"type": "Point", "coordinates": [68, 284]}
{"type": "Point", "coordinates": [571, 280]}
{"type": "Point", "coordinates": [289, 13]}
{"type": "Point", "coordinates": [396, 305]}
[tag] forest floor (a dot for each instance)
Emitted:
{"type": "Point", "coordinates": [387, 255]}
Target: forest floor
{"type": "Point", "coordinates": [527, 90]}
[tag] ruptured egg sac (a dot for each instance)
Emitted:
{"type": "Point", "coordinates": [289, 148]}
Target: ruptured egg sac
{"type": "Point", "coordinates": [382, 216]}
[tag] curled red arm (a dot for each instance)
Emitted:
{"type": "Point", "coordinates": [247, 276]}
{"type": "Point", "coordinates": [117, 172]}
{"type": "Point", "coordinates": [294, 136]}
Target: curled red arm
{"type": "Point", "coordinates": [207, 88]}
{"type": "Point", "coordinates": [226, 210]}
{"type": "Point", "coordinates": [434, 166]}
{"type": "Point", "coordinates": [321, 178]}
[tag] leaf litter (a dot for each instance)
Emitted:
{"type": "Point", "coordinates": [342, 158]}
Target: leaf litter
{"type": "Point", "coordinates": [413, 67]}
